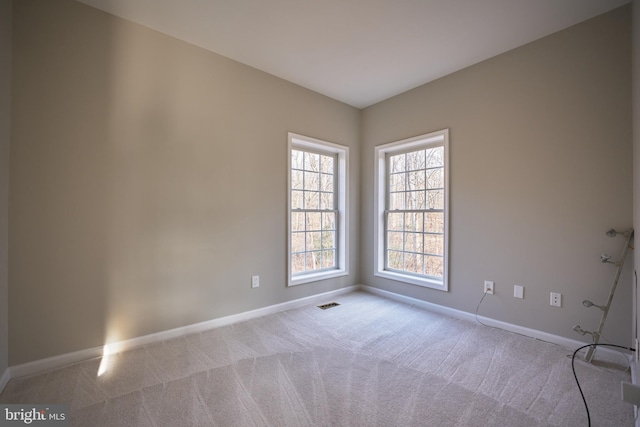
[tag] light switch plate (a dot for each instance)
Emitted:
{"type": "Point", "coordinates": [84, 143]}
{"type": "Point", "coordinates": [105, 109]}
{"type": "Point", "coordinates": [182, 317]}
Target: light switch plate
{"type": "Point", "coordinates": [518, 291]}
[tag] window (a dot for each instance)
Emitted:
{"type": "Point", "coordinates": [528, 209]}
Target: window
{"type": "Point", "coordinates": [317, 244]}
{"type": "Point", "coordinates": [411, 199]}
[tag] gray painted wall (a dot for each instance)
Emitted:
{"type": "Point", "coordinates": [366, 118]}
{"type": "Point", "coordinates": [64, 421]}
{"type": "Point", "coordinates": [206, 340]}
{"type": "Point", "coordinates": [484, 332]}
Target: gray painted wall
{"type": "Point", "coordinates": [5, 136]}
{"type": "Point", "coordinates": [148, 181]}
{"type": "Point", "coordinates": [540, 168]}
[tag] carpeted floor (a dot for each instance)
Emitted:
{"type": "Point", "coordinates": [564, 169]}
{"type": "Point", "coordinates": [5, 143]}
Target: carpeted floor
{"type": "Point", "coordinates": [368, 362]}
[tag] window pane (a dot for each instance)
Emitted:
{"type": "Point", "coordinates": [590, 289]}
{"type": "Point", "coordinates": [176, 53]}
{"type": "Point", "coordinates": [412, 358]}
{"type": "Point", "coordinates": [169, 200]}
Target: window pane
{"type": "Point", "coordinates": [433, 266]}
{"type": "Point", "coordinates": [297, 242]}
{"type": "Point", "coordinates": [328, 240]}
{"type": "Point", "coordinates": [297, 199]}
{"type": "Point", "coordinates": [435, 178]}
{"type": "Point", "coordinates": [311, 181]}
{"type": "Point", "coordinates": [311, 200]}
{"type": "Point", "coordinates": [396, 182]}
{"type": "Point", "coordinates": [413, 263]}
{"type": "Point", "coordinates": [435, 199]}
{"type": "Point", "coordinates": [413, 221]}
{"type": "Point", "coordinates": [396, 163]}
{"type": "Point", "coordinates": [312, 162]}
{"type": "Point", "coordinates": [434, 222]}
{"type": "Point", "coordinates": [397, 201]}
{"type": "Point", "coordinates": [314, 241]}
{"type": "Point", "coordinates": [329, 221]}
{"type": "Point", "coordinates": [313, 261]}
{"type": "Point", "coordinates": [296, 180]}
{"type": "Point", "coordinates": [297, 221]}
{"type": "Point", "coordinates": [328, 259]}
{"type": "Point", "coordinates": [394, 221]}
{"type": "Point", "coordinates": [326, 200]}
{"type": "Point", "coordinates": [326, 164]}
{"type": "Point", "coordinates": [296, 159]}
{"type": "Point", "coordinates": [413, 242]}
{"type": "Point", "coordinates": [416, 180]}
{"type": "Point", "coordinates": [394, 260]}
{"type": "Point", "coordinates": [435, 157]}
{"type": "Point", "coordinates": [434, 244]}
{"type": "Point", "coordinates": [394, 240]}
{"type": "Point", "coordinates": [415, 200]}
{"type": "Point", "coordinates": [415, 160]}
{"type": "Point", "coordinates": [326, 182]}
{"type": "Point", "coordinates": [313, 221]}
{"type": "Point", "coordinates": [297, 263]}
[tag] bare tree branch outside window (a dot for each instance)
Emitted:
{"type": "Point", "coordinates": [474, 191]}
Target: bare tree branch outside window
{"type": "Point", "coordinates": [313, 211]}
{"type": "Point", "coordinates": [415, 212]}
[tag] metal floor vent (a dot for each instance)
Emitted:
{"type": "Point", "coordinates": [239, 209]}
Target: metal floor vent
{"type": "Point", "coordinates": [328, 305]}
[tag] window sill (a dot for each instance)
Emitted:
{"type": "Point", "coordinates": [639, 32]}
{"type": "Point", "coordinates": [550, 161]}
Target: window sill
{"type": "Point", "coordinates": [314, 277]}
{"type": "Point", "coordinates": [413, 280]}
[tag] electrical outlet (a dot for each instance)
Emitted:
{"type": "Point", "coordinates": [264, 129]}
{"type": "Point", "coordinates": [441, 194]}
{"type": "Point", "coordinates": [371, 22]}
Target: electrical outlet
{"type": "Point", "coordinates": [255, 281]}
{"type": "Point", "coordinates": [556, 299]}
{"type": "Point", "coordinates": [518, 291]}
{"type": "Point", "coordinates": [488, 287]}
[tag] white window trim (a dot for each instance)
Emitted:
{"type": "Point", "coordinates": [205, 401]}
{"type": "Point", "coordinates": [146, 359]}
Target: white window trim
{"type": "Point", "coordinates": [342, 152]}
{"type": "Point", "coordinates": [381, 152]}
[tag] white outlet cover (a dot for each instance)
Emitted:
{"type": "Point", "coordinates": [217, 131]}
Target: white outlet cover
{"type": "Point", "coordinates": [488, 287]}
{"type": "Point", "coordinates": [556, 299]}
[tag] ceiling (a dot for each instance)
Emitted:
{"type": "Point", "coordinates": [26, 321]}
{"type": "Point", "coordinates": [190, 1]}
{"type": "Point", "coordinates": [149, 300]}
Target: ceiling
{"type": "Point", "coordinates": [357, 51]}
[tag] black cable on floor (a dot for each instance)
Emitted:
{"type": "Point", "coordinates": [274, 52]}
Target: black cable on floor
{"type": "Point", "coordinates": [573, 367]}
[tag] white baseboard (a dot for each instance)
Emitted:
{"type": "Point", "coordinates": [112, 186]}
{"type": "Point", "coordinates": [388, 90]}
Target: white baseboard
{"type": "Point", "coordinates": [568, 343]}
{"type": "Point", "coordinates": [62, 360]}
{"type": "Point", "coordinates": [42, 365]}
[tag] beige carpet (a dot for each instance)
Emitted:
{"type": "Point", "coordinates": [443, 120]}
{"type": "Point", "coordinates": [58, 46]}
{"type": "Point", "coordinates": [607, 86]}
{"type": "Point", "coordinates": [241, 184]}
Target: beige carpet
{"type": "Point", "coordinates": [368, 362]}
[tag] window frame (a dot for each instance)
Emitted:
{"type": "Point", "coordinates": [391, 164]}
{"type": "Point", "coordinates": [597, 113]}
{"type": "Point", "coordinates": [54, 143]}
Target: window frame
{"type": "Point", "coordinates": [381, 176]}
{"type": "Point", "coordinates": [341, 186]}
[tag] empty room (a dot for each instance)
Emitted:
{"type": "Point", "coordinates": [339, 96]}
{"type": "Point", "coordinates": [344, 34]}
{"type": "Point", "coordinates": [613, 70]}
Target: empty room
{"type": "Point", "coordinates": [338, 213]}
